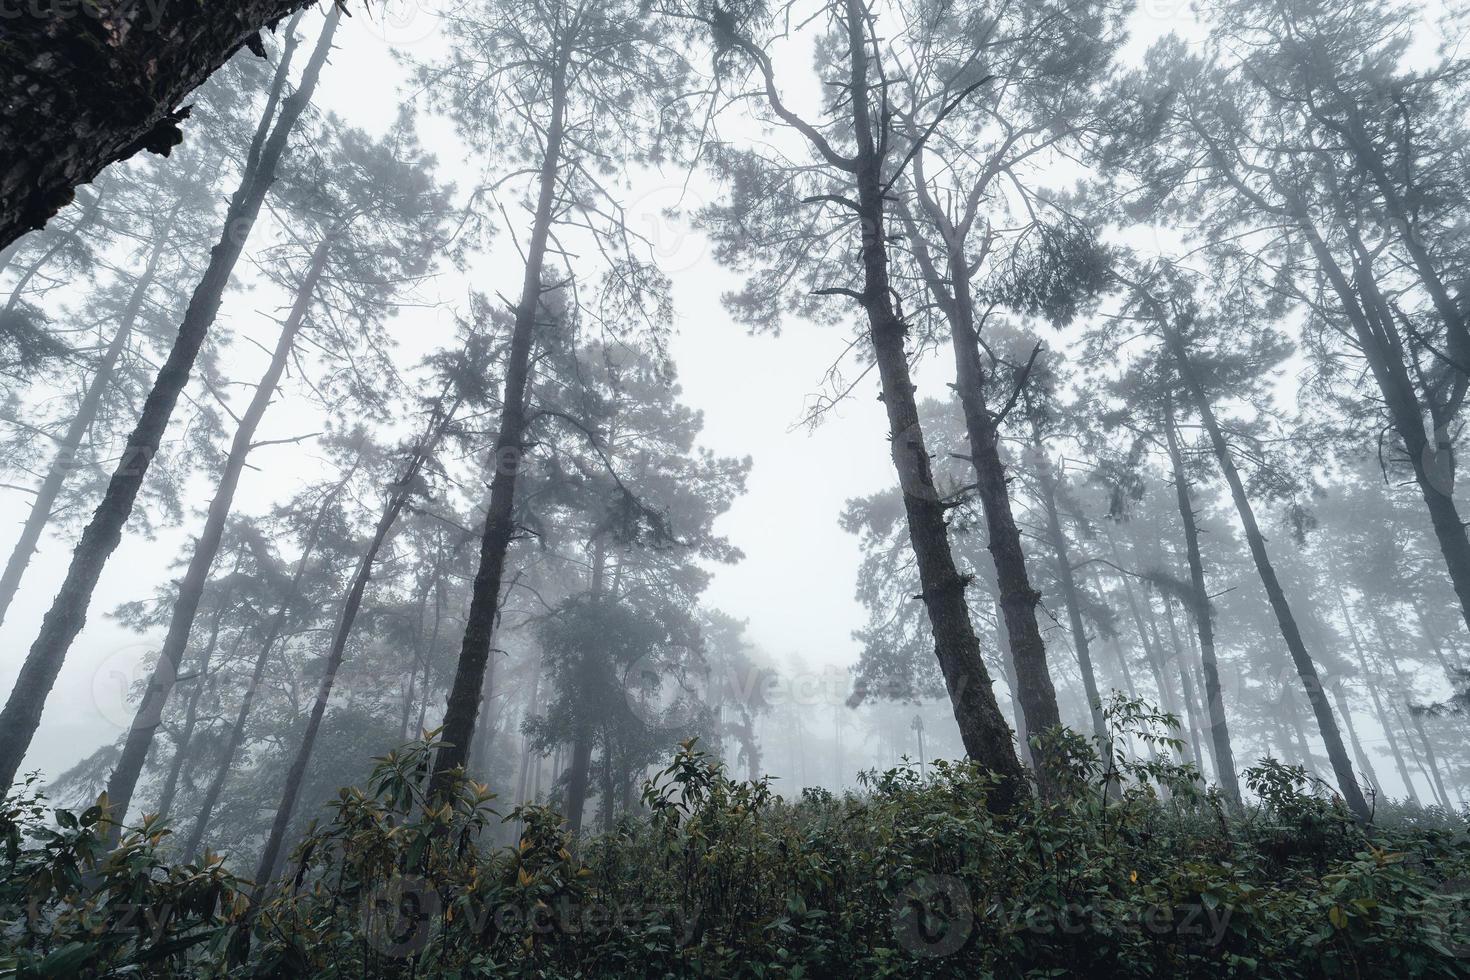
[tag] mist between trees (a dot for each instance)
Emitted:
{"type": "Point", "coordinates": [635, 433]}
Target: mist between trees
{"type": "Point", "coordinates": [366, 536]}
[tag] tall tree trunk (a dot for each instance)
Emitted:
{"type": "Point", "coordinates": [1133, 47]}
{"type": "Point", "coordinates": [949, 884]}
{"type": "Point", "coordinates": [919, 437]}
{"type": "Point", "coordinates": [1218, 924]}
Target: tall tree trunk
{"type": "Point", "coordinates": [273, 634]}
{"type": "Point", "coordinates": [84, 91]}
{"type": "Point", "coordinates": [1008, 665]}
{"type": "Point", "coordinates": [129, 767]}
{"type": "Point", "coordinates": [22, 713]}
{"type": "Point", "coordinates": [1033, 689]}
{"type": "Point", "coordinates": [1364, 762]}
{"type": "Point", "coordinates": [1062, 562]}
{"type": "Point", "coordinates": [1204, 616]}
{"type": "Point", "coordinates": [467, 688]}
{"type": "Point", "coordinates": [986, 736]}
{"type": "Point", "coordinates": [81, 424]}
{"type": "Point", "coordinates": [1183, 657]}
{"type": "Point", "coordinates": [1342, 767]}
{"type": "Point", "coordinates": [401, 489]}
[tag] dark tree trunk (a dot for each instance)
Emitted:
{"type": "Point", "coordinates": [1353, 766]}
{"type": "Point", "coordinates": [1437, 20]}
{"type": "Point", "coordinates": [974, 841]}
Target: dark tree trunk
{"type": "Point", "coordinates": [83, 91]}
{"type": "Point", "coordinates": [1204, 620]}
{"type": "Point", "coordinates": [129, 767]}
{"type": "Point", "coordinates": [1342, 767]}
{"type": "Point", "coordinates": [273, 635]}
{"type": "Point", "coordinates": [467, 688]}
{"type": "Point", "coordinates": [81, 424]}
{"type": "Point", "coordinates": [1033, 688]}
{"type": "Point", "coordinates": [986, 736]}
{"type": "Point", "coordinates": [577, 776]}
{"type": "Point", "coordinates": [1432, 460]}
{"type": "Point", "coordinates": [22, 712]}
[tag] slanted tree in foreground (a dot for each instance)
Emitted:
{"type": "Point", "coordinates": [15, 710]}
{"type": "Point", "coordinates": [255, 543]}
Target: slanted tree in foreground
{"type": "Point", "coordinates": [820, 222]}
{"type": "Point", "coordinates": [67, 615]}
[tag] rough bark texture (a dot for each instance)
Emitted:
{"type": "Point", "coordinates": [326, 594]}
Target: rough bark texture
{"type": "Point", "coordinates": [1342, 767]}
{"type": "Point", "coordinates": [465, 693]}
{"type": "Point", "coordinates": [986, 736]}
{"type": "Point", "coordinates": [89, 84]}
{"type": "Point", "coordinates": [1204, 621]}
{"type": "Point", "coordinates": [1033, 688]}
{"type": "Point", "coordinates": [129, 768]}
{"type": "Point", "coordinates": [68, 614]}
{"type": "Point", "coordinates": [81, 424]}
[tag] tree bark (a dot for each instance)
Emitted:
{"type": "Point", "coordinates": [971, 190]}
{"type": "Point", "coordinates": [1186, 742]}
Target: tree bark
{"type": "Point", "coordinates": [466, 690]}
{"type": "Point", "coordinates": [986, 736]}
{"type": "Point", "coordinates": [1204, 619]}
{"type": "Point", "coordinates": [81, 424]}
{"type": "Point", "coordinates": [1370, 681]}
{"type": "Point", "coordinates": [129, 769]}
{"type": "Point", "coordinates": [22, 713]}
{"type": "Point", "coordinates": [1342, 766]}
{"type": "Point", "coordinates": [83, 91]}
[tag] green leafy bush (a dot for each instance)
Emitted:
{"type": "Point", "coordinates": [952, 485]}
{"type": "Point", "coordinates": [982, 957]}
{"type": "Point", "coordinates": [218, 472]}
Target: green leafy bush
{"type": "Point", "coordinates": [1136, 871]}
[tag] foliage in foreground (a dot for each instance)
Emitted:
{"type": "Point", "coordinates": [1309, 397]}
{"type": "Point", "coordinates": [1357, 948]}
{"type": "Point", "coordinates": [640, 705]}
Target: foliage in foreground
{"type": "Point", "coordinates": [1135, 872]}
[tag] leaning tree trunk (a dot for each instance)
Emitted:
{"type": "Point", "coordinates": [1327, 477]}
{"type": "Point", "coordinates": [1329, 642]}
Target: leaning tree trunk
{"type": "Point", "coordinates": [1062, 561]}
{"type": "Point", "coordinates": [177, 766]}
{"type": "Point", "coordinates": [1204, 619]}
{"type": "Point", "coordinates": [1342, 766]}
{"type": "Point", "coordinates": [149, 716]}
{"type": "Point", "coordinates": [84, 90]}
{"type": "Point", "coordinates": [467, 689]}
{"type": "Point", "coordinates": [1432, 460]}
{"type": "Point", "coordinates": [22, 713]}
{"type": "Point", "coordinates": [81, 424]}
{"type": "Point", "coordinates": [983, 730]}
{"type": "Point", "coordinates": [403, 486]}
{"type": "Point", "coordinates": [1370, 681]}
{"type": "Point", "coordinates": [1033, 688]}
{"type": "Point", "coordinates": [273, 635]}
